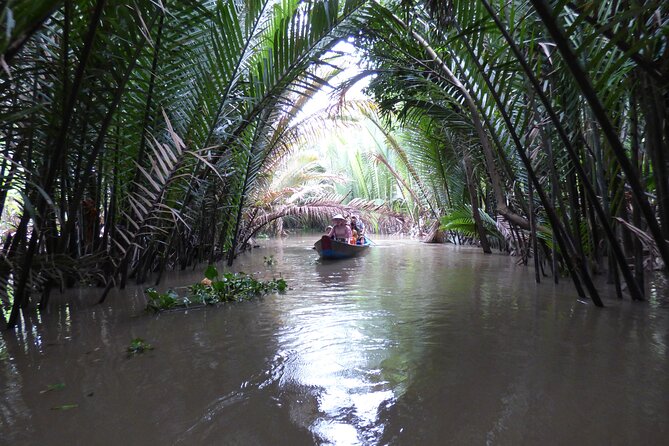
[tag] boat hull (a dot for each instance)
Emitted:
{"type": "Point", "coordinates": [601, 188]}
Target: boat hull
{"type": "Point", "coordinates": [332, 249]}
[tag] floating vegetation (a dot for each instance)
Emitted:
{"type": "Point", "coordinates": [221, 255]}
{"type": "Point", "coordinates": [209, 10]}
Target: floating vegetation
{"type": "Point", "coordinates": [214, 289]}
{"type": "Point", "coordinates": [137, 346]}
{"type": "Point", "coordinates": [52, 387]}
{"type": "Point", "coordinates": [269, 261]}
{"type": "Point", "coordinates": [162, 301]}
{"type": "Point", "coordinates": [65, 407]}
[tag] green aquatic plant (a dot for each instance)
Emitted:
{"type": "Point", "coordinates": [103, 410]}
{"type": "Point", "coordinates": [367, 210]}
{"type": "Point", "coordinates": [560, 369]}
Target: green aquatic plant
{"type": "Point", "coordinates": [161, 301]}
{"type": "Point", "coordinates": [213, 289]}
{"type": "Point", "coordinates": [281, 285]}
{"type": "Point", "coordinates": [65, 407]}
{"type": "Point", "coordinates": [269, 260]}
{"type": "Point", "coordinates": [138, 345]}
{"type": "Point", "coordinates": [52, 387]}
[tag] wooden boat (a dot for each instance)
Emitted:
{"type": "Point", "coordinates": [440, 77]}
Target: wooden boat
{"type": "Point", "coordinates": [332, 249]}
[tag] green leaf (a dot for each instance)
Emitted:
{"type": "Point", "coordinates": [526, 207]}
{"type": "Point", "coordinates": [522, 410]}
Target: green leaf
{"type": "Point", "coordinates": [51, 387]}
{"type": "Point", "coordinates": [211, 272]}
{"type": "Point", "coordinates": [281, 285]}
{"type": "Point", "coordinates": [152, 293]}
{"type": "Point", "coordinates": [65, 407]}
{"type": "Point", "coordinates": [138, 345]}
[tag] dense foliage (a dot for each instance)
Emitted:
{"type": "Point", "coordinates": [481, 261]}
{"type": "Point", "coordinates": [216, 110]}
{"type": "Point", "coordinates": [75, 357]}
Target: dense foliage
{"type": "Point", "coordinates": [143, 136]}
{"type": "Point", "coordinates": [551, 115]}
{"type": "Point", "coordinates": [134, 132]}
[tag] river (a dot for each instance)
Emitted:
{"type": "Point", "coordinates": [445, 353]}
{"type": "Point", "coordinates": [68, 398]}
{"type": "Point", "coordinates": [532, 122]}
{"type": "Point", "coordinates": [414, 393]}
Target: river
{"type": "Point", "coordinates": [413, 344]}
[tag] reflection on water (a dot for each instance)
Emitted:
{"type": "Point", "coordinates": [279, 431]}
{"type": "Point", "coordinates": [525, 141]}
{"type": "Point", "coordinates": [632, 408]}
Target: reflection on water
{"type": "Point", "coordinates": [335, 357]}
{"type": "Point", "coordinates": [336, 273]}
{"type": "Point", "coordinates": [412, 344]}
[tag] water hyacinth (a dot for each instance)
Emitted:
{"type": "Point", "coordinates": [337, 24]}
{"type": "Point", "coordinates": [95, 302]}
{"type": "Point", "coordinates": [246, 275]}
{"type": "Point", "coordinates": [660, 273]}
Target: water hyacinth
{"type": "Point", "coordinates": [213, 289]}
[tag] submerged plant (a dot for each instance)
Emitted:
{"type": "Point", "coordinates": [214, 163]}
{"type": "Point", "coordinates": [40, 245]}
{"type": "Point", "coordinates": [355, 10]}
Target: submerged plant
{"type": "Point", "coordinates": [65, 407]}
{"type": "Point", "coordinates": [137, 346]}
{"type": "Point", "coordinates": [52, 387]}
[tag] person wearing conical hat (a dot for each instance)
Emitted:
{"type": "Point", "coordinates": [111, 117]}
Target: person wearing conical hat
{"type": "Point", "coordinates": [340, 231]}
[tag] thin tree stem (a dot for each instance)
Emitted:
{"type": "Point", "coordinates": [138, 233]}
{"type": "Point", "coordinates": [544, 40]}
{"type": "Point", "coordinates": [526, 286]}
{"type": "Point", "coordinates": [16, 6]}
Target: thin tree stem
{"type": "Point", "coordinates": [583, 81]}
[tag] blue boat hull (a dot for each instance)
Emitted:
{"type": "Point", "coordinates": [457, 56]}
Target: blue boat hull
{"type": "Point", "coordinates": [332, 249]}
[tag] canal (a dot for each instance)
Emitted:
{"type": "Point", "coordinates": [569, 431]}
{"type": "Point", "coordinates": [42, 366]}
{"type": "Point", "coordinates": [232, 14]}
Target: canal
{"type": "Point", "coordinates": [414, 344]}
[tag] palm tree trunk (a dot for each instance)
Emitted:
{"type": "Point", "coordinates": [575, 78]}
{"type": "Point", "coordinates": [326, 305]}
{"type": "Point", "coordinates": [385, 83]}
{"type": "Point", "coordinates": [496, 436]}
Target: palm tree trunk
{"type": "Point", "coordinates": [224, 96]}
{"type": "Point", "coordinates": [554, 180]}
{"type": "Point", "coordinates": [620, 258]}
{"type": "Point", "coordinates": [50, 168]}
{"type": "Point", "coordinates": [574, 262]}
{"type": "Point", "coordinates": [240, 209]}
{"type": "Point", "coordinates": [533, 232]}
{"type": "Point", "coordinates": [471, 187]}
{"type": "Point", "coordinates": [477, 122]}
{"type": "Point", "coordinates": [583, 81]}
{"type": "Point", "coordinates": [102, 135]}
{"type": "Point", "coordinates": [149, 103]}
{"type": "Point", "coordinates": [636, 215]}
{"type": "Point", "coordinates": [655, 114]}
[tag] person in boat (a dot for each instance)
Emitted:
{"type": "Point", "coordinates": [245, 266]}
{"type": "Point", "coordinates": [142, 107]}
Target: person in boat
{"type": "Point", "coordinates": [354, 236]}
{"type": "Point", "coordinates": [358, 226]}
{"type": "Point", "coordinates": [340, 231]}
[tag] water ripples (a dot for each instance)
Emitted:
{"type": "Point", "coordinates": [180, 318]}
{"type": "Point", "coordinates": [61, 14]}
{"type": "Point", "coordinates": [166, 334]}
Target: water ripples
{"type": "Point", "coordinates": [414, 344]}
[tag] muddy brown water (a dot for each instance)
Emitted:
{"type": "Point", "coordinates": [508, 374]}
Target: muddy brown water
{"type": "Point", "coordinates": [412, 345]}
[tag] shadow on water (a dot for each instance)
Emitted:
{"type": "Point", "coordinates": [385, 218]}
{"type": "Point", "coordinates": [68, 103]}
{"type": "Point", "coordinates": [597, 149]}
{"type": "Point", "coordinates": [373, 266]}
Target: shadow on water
{"type": "Point", "coordinates": [412, 344]}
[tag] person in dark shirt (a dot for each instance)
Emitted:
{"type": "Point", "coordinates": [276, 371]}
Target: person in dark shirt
{"type": "Point", "coordinates": [358, 226]}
